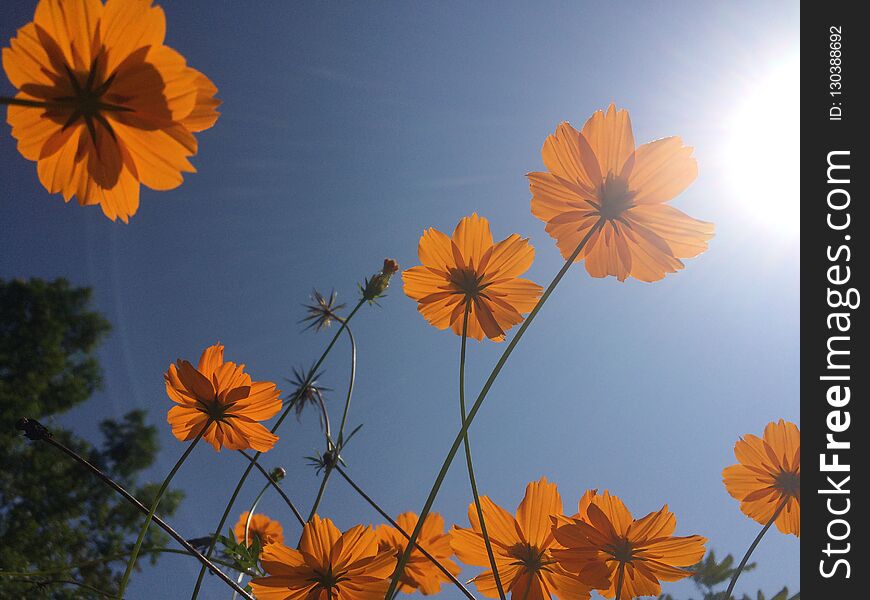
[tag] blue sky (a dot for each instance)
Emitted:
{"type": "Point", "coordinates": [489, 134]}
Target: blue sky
{"type": "Point", "coordinates": [349, 128]}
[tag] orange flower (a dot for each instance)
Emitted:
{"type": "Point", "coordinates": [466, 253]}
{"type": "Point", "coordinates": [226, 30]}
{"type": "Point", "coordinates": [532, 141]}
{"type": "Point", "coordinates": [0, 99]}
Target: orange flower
{"type": "Point", "coordinates": [470, 269]}
{"type": "Point", "coordinates": [224, 393]}
{"type": "Point", "coordinates": [603, 538]}
{"type": "Point", "coordinates": [103, 105]}
{"type": "Point", "coordinates": [420, 573]}
{"type": "Point", "coordinates": [267, 530]}
{"type": "Point", "coordinates": [598, 184]}
{"type": "Point", "coordinates": [769, 474]}
{"type": "Point", "coordinates": [523, 547]}
{"type": "Point", "coordinates": [329, 565]}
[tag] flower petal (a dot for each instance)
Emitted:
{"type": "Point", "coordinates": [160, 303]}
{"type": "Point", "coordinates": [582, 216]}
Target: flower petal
{"type": "Point", "coordinates": [660, 171]}
{"type": "Point", "coordinates": [610, 137]}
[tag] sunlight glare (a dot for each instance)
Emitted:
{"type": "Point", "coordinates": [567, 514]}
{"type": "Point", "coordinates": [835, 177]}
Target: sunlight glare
{"type": "Point", "coordinates": [764, 149]}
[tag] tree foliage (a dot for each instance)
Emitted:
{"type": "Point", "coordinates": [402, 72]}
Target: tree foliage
{"type": "Point", "coordinates": [58, 523]}
{"type": "Point", "coordinates": [711, 574]}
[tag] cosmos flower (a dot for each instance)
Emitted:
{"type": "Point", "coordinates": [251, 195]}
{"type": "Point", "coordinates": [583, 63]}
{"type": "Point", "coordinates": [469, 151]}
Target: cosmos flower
{"type": "Point", "coordinates": [267, 530]}
{"type": "Point", "coordinates": [329, 565]}
{"type": "Point", "coordinates": [468, 269]}
{"type": "Point", "coordinates": [599, 185]}
{"type": "Point", "coordinates": [769, 476]}
{"type": "Point", "coordinates": [102, 104]}
{"type": "Point", "coordinates": [420, 573]}
{"type": "Point", "coordinates": [523, 547]}
{"type": "Point", "coordinates": [221, 394]}
{"type": "Point", "coordinates": [603, 538]}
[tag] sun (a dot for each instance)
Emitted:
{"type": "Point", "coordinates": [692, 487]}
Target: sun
{"type": "Point", "coordinates": [763, 152]}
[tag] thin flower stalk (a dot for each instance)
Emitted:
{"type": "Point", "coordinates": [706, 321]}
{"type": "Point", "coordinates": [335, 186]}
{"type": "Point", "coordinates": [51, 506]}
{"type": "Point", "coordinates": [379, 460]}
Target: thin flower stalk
{"type": "Point", "coordinates": [752, 546]}
{"type": "Point", "coordinates": [276, 487]}
{"type": "Point", "coordinates": [134, 555]}
{"type": "Point", "coordinates": [251, 514]}
{"type": "Point", "coordinates": [37, 432]}
{"type": "Point", "coordinates": [405, 534]}
{"type": "Point", "coordinates": [248, 529]}
{"type": "Point", "coordinates": [256, 456]}
{"type": "Point", "coordinates": [337, 446]}
{"type": "Point", "coordinates": [487, 542]}
{"type": "Point", "coordinates": [46, 582]}
{"type": "Point", "coordinates": [113, 558]}
{"type": "Point", "coordinates": [349, 387]}
{"type": "Point", "coordinates": [439, 480]}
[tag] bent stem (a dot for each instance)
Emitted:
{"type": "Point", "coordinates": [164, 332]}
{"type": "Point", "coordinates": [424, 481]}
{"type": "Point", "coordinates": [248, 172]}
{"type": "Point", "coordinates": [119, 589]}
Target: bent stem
{"type": "Point", "coordinates": [276, 487]}
{"type": "Point", "coordinates": [277, 424]}
{"type": "Point", "coordinates": [467, 443]}
{"type": "Point", "coordinates": [477, 403]}
{"type": "Point", "coordinates": [330, 458]}
{"type": "Point", "coordinates": [405, 534]}
{"type": "Point", "coordinates": [248, 529]}
{"type": "Point", "coordinates": [330, 446]}
{"type": "Point", "coordinates": [752, 548]}
{"type": "Point", "coordinates": [35, 431]}
{"type": "Point", "coordinates": [349, 387]}
{"type": "Point", "coordinates": [132, 562]}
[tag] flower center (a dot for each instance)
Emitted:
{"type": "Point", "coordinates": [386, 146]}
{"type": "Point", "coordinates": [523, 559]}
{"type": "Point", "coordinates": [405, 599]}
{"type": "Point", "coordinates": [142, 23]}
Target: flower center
{"type": "Point", "coordinates": [213, 408]}
{"type": "Point", "coordinates": [622, 550]}
{"type": "Point", "coordinates": [528, 556]}
{"type": "Point", "coordinates": [86, 102]}
{"type": "Point", "coordinates": [466, 281]}
{"type": "Point", "coordinates": [327, 580]}
{"type": "Point", "coordinates": [789, 483]}
{"type": "Point", "coordinates": [614, 197]}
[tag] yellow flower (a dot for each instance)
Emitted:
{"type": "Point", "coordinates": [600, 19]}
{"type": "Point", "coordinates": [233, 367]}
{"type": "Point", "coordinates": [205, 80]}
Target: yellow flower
{"type": "Point", "coordinates": [221, 394]}
{"type": "Point", "coordinates": [599, 185]}
{"type": "Point", "coordinates": [329, 565]}
{"type": "Point", "coordinates": [420, 573]}
{"type": "Point", "coordinates": [469, 270]}
{"type": "Point", "coordinates": [103, 105]}
{"type": "Point", "coordinates": [523, 547]}
{"type": "Point", "coordinates": [269, 531]}
{"type": "Point", "coordinates": [769, 476]}
{"type": "Point", "coordinates": [604, 539]}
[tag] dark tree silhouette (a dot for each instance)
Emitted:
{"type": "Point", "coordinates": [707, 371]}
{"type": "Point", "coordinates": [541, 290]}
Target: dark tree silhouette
{"type": "Point", "coordinates": [66, 530]}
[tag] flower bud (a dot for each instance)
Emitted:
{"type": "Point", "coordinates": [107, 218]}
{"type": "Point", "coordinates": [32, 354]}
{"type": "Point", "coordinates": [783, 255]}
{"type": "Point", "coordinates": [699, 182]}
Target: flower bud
{"type": "Point", "coordinates": [375, 287]}
{"type": "Point", "coordinates": [277, 474]}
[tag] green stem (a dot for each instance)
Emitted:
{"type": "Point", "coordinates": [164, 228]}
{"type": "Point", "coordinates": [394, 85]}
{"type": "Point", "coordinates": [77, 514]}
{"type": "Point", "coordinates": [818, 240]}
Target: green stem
{"type": "Point", "coordinates": [349, 387]}
{"type": "Point", "coordinates": [35, 431]}
{"type": "Point", "coordinates": [248, 530]}
{"type": "Point", "coordinates": [251, 513]}
{"type": "Point", "coordinates": [276, 487]}
{"type": "Point", "coordinates": [330, 447]}
{"type": "Point", "coordinates": [486, 541]}
{"type": "Point", "coordinates": [476, 407]}
{"type": "Point", "coordinates": [256, 456]}
{"type": "Point", "coordinates": [752, 548]}
{"type": "Point", "coordinates": [320, 491]}
{"type": "Point", "coordinates": [132, 562]}
{"type": "Point", "coordinates": [108, 559]}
